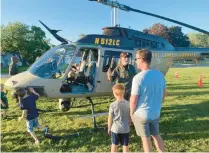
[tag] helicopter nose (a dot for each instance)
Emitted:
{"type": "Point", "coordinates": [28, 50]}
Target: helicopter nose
{"type": "Point", "coordinates": [23, 79]}
{"type": "Point", "coordinates": [11, 83]}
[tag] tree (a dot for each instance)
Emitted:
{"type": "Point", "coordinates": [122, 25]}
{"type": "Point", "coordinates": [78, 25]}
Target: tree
{"type": "Point", "coordinates": [199, 40]}
{"type": "Point", "coordinates": [37, 44]}
{"type": "Point", "coordinates": [173, 34]}
{"type": "Point", "coordinates": [30, 42]}
{"type": "Point", "coordinates": [159, 30]}
{"type": "Point", "coordinates": [177, 38]}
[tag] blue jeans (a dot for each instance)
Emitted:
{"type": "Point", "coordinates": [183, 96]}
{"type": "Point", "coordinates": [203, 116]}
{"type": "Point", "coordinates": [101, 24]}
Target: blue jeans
{"type": "Point", "coordinates": [32, 124]}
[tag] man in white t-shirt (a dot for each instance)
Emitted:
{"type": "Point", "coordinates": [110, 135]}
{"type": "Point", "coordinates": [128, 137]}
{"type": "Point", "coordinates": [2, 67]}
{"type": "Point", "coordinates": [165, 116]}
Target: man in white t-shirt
{"type": "Point", "coordinates": [147, 94]}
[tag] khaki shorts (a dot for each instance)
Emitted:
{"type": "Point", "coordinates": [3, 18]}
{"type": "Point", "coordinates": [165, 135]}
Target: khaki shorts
{"type": "Point", "coordinates": [145, 128]}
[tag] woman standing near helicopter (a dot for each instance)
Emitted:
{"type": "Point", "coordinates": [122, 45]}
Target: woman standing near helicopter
{"type": "Point", "coordinates": [123, 73]}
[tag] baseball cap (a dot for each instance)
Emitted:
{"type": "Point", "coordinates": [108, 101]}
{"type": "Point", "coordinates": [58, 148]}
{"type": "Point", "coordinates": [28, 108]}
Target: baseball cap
{"type": "Point", "coordinates": [124, 54]}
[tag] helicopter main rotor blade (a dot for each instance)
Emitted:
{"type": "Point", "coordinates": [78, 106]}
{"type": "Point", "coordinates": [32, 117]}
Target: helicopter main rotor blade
{"type": "Point", "coordinates": [54, 33]}
{"type": "Point", "coordinates": [171, 20]}
{"type": "Point", "coordinates": [127, 8]}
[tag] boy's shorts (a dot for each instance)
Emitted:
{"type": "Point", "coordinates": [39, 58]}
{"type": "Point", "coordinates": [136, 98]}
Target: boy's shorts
{"type": "Point", "coordinates": [121, 138]}
{"type": "Point", "coordinates": [32, 124]}
{"type": "Point", "coordinates": [145, 128]}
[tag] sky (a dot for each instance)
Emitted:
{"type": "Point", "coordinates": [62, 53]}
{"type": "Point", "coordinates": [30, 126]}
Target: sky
{"type": "Point", "coordinates": [75, 17]}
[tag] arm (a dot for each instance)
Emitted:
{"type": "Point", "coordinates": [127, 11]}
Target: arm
{"type": "Point", "coordinates": [3, 104]}
{"type": "Point", "coordinates": [133, 102]}
{"type": "Point", "coordinates": [164, 94]}
{"type": "Point", "coordinates": [109, 72]}
{"type": "Point", "coordinates": [24, 113]}
{"type": "Point", "coordinates": [34, 92]}
{"type": "Point", "coordinates": [134, 94]}
{"type": "Point", "coordinates": [109, 123]}
{"type": "Point", "coordinates": [114, 75]}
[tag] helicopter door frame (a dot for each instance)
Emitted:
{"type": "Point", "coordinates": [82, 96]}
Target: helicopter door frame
{"type": "Point", "coordinates": [106, 86]}
{"type": "Point", "coordinates": [97, 63]}
{"type": "Point", "coordinates": [94, 82]}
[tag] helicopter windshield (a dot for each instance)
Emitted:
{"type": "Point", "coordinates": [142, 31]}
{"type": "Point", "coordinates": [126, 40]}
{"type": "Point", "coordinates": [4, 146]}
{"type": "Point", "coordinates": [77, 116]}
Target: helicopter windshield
{"type": "Point", "coordinates": [54, 62]}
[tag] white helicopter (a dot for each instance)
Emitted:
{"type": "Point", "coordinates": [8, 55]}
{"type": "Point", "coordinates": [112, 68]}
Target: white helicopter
{"type": "Point", "coordinates": [91, 56]}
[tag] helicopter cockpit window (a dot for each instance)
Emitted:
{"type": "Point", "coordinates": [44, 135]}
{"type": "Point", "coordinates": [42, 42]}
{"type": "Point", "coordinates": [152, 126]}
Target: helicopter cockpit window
{"type": "Point", "coordinates": [82, 74]}
{"type": "Point", "coordinates": [112, 59]}
{"type": "Point", "coordinates": [53, 63]}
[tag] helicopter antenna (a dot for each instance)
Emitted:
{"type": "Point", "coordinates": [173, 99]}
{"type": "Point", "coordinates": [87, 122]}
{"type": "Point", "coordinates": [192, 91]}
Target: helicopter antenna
{"type": "Point", "coordinates": [54, 33]}
{"type": "Point", "coordinates": [127, 8]}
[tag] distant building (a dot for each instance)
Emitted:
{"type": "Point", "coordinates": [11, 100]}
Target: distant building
{"type": "Point", "coordinates": [6, 59]}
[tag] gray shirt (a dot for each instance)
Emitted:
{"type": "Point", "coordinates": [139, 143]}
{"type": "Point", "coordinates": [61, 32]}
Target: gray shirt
{"type": "Point", "coordinates": [120, 112]}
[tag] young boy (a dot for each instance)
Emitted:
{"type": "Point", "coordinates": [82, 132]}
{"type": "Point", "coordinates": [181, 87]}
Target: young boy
{"type": "Point", "coordinates": [4, 102]}
{"type": "Point", "coordinates": [28, 105]}
{"type": "Point", "coordinates": [118, 119]}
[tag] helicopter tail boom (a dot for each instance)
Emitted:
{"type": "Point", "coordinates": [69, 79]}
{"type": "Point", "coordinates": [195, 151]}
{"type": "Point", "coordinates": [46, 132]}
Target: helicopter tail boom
{"type": "Point", "coordinates": [191, 53]}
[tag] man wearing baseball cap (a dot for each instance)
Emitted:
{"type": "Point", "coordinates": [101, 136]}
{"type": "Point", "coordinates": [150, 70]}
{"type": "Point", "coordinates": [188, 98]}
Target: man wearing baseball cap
{"type": "Point", "coordinates": [123, 73]}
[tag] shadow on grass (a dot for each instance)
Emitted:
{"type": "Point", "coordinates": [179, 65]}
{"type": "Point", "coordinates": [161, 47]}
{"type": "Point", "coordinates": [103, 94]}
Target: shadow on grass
{"type": "Point", "coordinates": [185, 120]}
{"type": "Point", "coordinates": [185, 87]}
{"type": "Point", "coordinates": [180, 84]}
{"type": "Point", "coordinates": [187, 93]}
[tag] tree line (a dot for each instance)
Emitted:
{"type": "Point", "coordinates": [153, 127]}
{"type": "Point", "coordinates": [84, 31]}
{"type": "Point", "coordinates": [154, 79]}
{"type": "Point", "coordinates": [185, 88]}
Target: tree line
{"type": "Point", "coordinates": [177, 38]}
{"type": "Point", "coordinates": [31, 41]}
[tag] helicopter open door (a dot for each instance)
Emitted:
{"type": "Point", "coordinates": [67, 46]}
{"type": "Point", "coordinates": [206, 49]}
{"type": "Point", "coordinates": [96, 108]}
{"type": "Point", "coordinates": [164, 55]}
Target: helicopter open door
{"type": "Point", "coordinates": [110, 59]}
{"type": "Point", "coordinates": [82, 74]}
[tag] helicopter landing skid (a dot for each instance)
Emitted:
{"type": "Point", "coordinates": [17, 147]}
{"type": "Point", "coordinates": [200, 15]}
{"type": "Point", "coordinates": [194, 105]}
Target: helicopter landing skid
{"type": "Point", "coordinates": [57, 138]}
{"type": "Point", "coordinates": [95, 127]}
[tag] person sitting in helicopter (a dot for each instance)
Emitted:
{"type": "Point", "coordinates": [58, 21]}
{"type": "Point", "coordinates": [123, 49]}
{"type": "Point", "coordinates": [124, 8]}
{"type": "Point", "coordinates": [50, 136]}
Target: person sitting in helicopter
{"type": "Point", "coordinates": [73, 74]}
{"type": "Point", "coordinates": [87, 69]}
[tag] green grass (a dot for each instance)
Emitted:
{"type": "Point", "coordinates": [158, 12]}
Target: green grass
{"type": "Point", "coordinates": [184, 121]}
{"type": "Point", "coordinates": [5, 70]}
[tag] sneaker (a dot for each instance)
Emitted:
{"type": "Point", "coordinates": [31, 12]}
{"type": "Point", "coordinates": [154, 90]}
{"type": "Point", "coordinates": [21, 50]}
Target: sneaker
{"type": "Point", "coordinates": [46, 130]}
{"type": "Point", "coordinates": [90, 87]}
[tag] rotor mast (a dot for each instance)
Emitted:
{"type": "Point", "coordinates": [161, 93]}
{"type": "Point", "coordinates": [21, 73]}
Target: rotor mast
{"type": "Point", "coordinates": [115, 4]}
{"type": "Point", "coordinates": [114, 16]}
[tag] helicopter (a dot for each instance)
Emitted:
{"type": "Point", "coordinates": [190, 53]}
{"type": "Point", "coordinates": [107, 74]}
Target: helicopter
{"type": "Point", "coordinates": [79, 69]}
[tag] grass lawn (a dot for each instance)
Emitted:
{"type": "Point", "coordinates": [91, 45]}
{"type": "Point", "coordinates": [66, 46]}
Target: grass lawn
{"type": "Point", "coordinates": [5, 70]}
{"type": "Point", "coordinates": [184, 123]}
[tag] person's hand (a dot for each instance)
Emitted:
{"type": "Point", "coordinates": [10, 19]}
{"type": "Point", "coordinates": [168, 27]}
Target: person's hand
{"type": "Point", "coordinates": [130, 122]}
{"type": "Point", "coordinates": [3, 104]}
{"type": "Point", "coordinates": [31, 90]}
{"type": "Point", "coordinates": [109, 132]}
{"type": "Point", "coordinates": [109, 72]}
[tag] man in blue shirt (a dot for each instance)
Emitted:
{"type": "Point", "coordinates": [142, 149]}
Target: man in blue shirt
{"type": "Point", "coordinates": [28, 105]}
{"type": "Point", "coordinates": [147, 94]}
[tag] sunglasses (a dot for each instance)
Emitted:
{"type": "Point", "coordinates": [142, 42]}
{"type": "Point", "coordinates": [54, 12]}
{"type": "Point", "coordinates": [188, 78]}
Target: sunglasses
{"type": "Point", "coordinates": [137, 59]}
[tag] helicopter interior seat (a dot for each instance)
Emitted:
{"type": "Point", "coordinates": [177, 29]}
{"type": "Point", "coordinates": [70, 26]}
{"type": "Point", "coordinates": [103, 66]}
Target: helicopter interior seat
{"type": "Point", "coordinates": [84, 80]}
{"type": "Point", "coordinates": [81, 78]}
{"type": "Point", "coordinates": [91, 67]}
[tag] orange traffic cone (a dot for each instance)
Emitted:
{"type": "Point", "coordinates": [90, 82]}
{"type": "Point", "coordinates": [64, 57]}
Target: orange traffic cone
{"type": "Point", "coordinates": [176, 75]}
{"type": "Point", "coordinates": [200, 84]}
